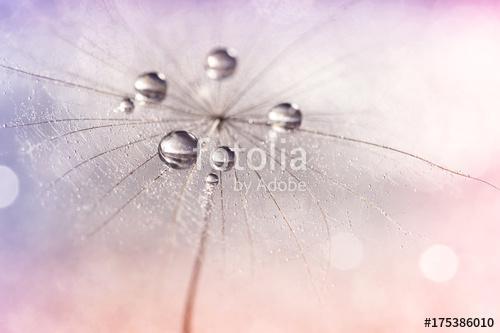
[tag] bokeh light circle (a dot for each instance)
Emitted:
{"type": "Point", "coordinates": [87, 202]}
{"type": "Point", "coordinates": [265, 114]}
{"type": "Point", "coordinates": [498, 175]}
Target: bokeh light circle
{"type": "Point", "coordinates": [347, 251]}
{"type": "Point", "coordinates": [438, 263]}
{"type": "Point", "coordinates": [9, 186]}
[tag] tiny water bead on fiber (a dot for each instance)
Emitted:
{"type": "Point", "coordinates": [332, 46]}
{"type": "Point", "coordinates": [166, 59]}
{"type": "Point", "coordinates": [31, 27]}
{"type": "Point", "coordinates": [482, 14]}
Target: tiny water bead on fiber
{"type": "Point", "coordinates": [221, 63]}
{"type": "Point", "coordinates": [125, 106]}
{"type": "Point", "coordinates": [285, 116]}
{"type": "Point", "coordinates": [178, 149]}
{"type": "Point", "coordinates": [223, 158]}
{"type": "Point", "coordinates": [212, 179]}
{"type": "Point", "coordinates": [151, 87]}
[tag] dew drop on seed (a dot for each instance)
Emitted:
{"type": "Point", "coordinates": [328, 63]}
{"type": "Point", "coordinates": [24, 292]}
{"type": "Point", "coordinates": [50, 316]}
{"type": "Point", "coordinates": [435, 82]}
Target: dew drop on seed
{"type": "Point", "coordinates": [221, 63]}
{"type": "Point", "coordinates": [178, 149]}
{"type": "Point", "coordinates": [285, 116]}
{"type": "Point", "coordinates": [151, 87]}
{"type": "Point", "coordinates": [223, 158]}
{"type": "Point", "coordinates": [125, 106]}
{"type": "Point", "coordinates": [212, 179]}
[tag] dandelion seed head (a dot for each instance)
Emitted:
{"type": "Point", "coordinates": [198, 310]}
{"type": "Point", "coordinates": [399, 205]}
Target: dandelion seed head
{"type": "Point", "coordinates": [133, 185]}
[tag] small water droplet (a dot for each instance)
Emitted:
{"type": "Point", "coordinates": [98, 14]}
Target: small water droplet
{"type": "Point", "coordinates": [125, 106]}
{"type": "Point", "coordinates": [212, 179]}
{"type": "Point", "coordinates": [151, 87]}
{"type": "Point", "coordinates": [178, 149]}
{"type": "Point", "coordinates": [223, 158]}
{"type": "Point", "coordinates": [221, 63]}
{"type": "Point", "coordinates": [285, 116]}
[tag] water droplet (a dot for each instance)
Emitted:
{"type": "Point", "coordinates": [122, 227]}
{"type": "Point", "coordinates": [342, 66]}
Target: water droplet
{"type": "Point", "coordinates": [285, 116]}
{"type": "Point", "coordinates": [151, 87]}
{"type": "Point", "coordinates": [221, 63]}
{"type": "Point", "coordinates": [223, 158]}
{"type": "Point", "coordinates": [125, 106]}
{"type": "Point", "coordinates": [212, 179]}
{"type": "Point", "coordinates": [178, 149]}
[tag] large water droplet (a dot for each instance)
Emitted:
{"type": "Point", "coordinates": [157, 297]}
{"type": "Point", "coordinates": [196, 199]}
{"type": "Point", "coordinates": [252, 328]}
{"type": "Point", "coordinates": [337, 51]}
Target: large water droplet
{"type": "Point", "coordinates": [178, 149]}
{"type": "Point", "coordinates": [212, 179]}
{"type": "Point", "coordinates": [125, 106]}
{"type": "Point", "coordinates": [151, 87]}
{"type": "Point", "coordinates": [223, 158]}
{"type": "Point", "coordinates": [221, 63]}
{"type": "Point", "coordinates": [285, 116]}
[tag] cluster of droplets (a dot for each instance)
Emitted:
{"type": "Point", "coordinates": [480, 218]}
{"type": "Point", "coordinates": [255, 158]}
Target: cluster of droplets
{"type": "Point", "coordinates": [149, 88]}
{"type": "Point", "coordinates": [179, 149]}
